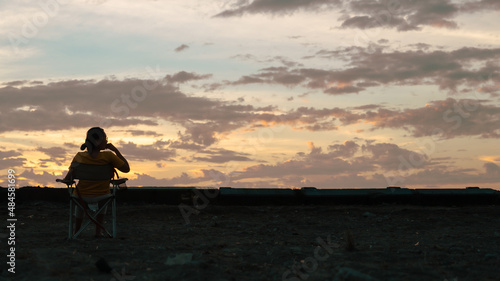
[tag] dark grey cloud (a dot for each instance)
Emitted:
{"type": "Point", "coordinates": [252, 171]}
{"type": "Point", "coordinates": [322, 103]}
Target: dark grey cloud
{"type": "Point", "coordinates": [402, 15]}
{"type": "Point", "coordinates": [343, 90]}
{"type": "Point", "coordinates": [481, 5]}
{"type": "Point", "coordinates": [445, 118]}
{"type": "Point", "coordinates": [11, 159]}
{"type": "Point", "coordinates": [55, 152]}
{"type": "Point", "coordinates": [72, 104]}
{"type": "Point", "coordinates": [57, 155]}
{"type": "Point", "coordinates": [143, 133]}
{"type": "Point", "coordinates": [181, 48]}
{"type": "Point", "coordinates": [44, 178]}
{"type": "Point", "coordinates": [209, 177]}
{"type": "Point", "coordinates": [87, 103]}
{"type": "Point", "coordinates": [183, 77]}
{"type": "Point", "coordinates": [204, 121]}
{"type": "Point", "coordinates": [157, 151]}
{"type": "Point", "coordinates": [439, 175]}
{"type": "Point", "coordinates": [277, 6]}
{"type": "Point", "coordinates": [313, 164]}
{"type": "Point", "coordinates": [15, 83]}
{"type": "Point", "coordinates": [469, 68]}
{"type": "Point", "coordinates": [221, 155]}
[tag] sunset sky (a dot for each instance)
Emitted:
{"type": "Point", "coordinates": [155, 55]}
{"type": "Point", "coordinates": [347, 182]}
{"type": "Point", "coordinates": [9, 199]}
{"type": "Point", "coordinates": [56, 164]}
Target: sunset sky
{"type": "Point", "coordinates": [255, 93]}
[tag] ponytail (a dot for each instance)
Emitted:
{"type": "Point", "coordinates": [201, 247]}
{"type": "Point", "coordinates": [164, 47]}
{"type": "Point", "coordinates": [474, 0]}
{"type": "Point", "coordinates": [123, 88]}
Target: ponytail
{"type": "Point", "coordinates": [94, 137]}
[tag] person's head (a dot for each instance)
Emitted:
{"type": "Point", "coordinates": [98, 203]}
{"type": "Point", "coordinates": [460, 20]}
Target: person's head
{"type": "Point", "coordinates": [96, 140]}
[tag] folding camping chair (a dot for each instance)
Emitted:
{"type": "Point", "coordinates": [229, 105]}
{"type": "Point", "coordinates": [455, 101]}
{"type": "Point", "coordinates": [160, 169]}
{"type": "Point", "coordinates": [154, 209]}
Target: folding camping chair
{"type": "Point", "coordinates": [92, 173]}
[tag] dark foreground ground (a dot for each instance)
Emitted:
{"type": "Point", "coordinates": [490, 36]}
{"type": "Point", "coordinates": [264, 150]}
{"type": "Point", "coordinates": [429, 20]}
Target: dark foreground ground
{"type": "Point", "coordinates": [391, 242]}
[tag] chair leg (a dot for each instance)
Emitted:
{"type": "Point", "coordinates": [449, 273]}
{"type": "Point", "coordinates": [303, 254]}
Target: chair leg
{"type": "Point", "coordinates": [78, 221]}
{"type": "Point", "coordinates": [113, 208]}
{"type": "Point", "coordinates": [71, 210]}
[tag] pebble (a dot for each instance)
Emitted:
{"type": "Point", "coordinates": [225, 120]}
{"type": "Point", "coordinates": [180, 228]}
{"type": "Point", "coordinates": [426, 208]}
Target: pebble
{"type": "Point", "coordinates": [179, 259]}
{"type": "Point", "coordinates": [491, 256]}
{"type": "Point", "coordinates": [368, 214]}
{"type": "Point", "coordinates": [349, 274]}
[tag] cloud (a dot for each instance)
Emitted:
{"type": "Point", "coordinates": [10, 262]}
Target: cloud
{"type": "Point", "coordinates": [205, 178]}
{"type": "Point", "coordinates": [15, 83]}
{"type": "Point", "coordinates": [10, 159]}
{"type": "Point", "coordinates": [181, 48]}
{"type": "Point", "coordinates": [157, 151]}
{"type": "Point", "coordinates": [72, 104]}
{"type": "Point", "coordinates": [29, 177]}
{"type": "Point", "coordinates": [439, 175]}
{"type": "Point", "coordinates": [221, 155]}
{"type": "Point", "coordinates": [277, 7]}
{"type": "Point", "coordinates": [347, 165]}
{"type": "Point", "coordinates": [401, 15]}
{"type": "Point", "coordinates": [388, 156]}
{"type": "Point", "coordinates": [183, 77]}
{"type": "Point", "coordinates": [143, 133]}
{"type": "Point", "coordinates": [54, 152]}
{"type": "Point", "coordinates": [204, 121]}
{"type": "Point", "coordinates": [316, 162]}
{"type": "Point", "coordinates": [491, 170]}
{"type": "Point", "coordinates": [57, 155]}
{"type": "Point", "coordinates": [366, 22]}
{"type": "Point", "coordinates": [343, 90]}
{"type": "Point", "coordinates": [447, 118]}
{"type": "Point", "coordinates": [481, 5]}
{"type": "Point", "coordinates": [360, 165]}
{"type": "Point", "coordinates": [466, 69]}
{"type": "Point", "coordinates": [147, 180]}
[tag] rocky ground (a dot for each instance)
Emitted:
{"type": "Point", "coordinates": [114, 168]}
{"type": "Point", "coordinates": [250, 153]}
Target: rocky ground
{"type": "Point", "coordinates": [155, 242]}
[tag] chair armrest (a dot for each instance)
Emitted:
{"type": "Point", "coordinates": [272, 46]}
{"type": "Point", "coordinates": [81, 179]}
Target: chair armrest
{"type": "Point", "coordinates": [67, 182]}
{"type": "Point", "coordinates": [119, 181]}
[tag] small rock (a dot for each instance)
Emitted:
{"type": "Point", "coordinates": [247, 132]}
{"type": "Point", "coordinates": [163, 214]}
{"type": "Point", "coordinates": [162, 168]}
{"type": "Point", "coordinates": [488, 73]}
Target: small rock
{"type": "Point", "coordinates": [349, 274]}
{"type": "Point", "coordinates": [213, 223]}
{"type": "Point", "coordinates": [368, 214]}
{"type": "Point", "coordinates": [179, 259]}
{"type": "Point", "coordinates": [491, 256]}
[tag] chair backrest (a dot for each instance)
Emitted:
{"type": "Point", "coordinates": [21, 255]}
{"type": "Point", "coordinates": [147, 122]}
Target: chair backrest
{"type": "Point", "coordinates": [92, 172]}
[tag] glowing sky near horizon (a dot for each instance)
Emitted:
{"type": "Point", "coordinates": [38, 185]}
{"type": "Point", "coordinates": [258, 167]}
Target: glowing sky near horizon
{"type": "Point", "coordinates": [260, 93]}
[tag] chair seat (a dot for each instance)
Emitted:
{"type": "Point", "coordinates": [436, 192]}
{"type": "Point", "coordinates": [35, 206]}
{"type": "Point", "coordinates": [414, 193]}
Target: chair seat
{"type": "Point", "coordinates": [90, 199]}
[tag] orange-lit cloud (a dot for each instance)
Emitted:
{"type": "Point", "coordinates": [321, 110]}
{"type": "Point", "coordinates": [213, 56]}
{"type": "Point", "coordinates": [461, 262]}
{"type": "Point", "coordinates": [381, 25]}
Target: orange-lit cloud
{"type": "Point", "coordinates": [490, 158]}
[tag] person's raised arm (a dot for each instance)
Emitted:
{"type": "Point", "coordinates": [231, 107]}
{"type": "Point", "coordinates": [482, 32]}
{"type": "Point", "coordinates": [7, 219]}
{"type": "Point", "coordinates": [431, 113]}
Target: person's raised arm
{"type": "Point", "coordinates": [125, 168]}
